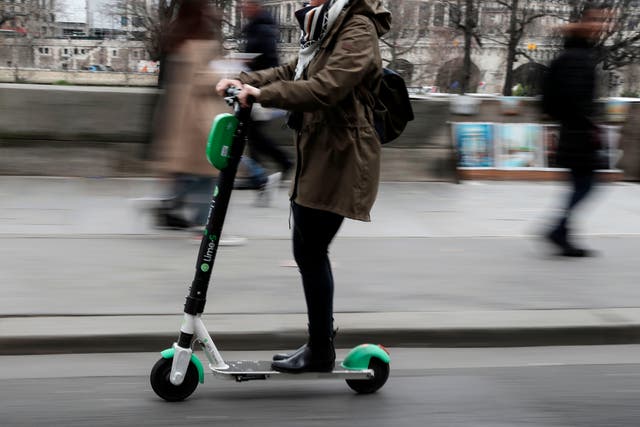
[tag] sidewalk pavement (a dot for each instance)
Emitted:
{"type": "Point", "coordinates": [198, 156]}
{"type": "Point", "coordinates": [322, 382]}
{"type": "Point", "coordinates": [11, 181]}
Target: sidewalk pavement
{"type": "Point", "coordinates": [83, 270]}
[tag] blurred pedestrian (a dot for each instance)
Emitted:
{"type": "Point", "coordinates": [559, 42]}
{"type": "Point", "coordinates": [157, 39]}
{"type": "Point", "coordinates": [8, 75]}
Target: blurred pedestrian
{"type": "Point", "coordinates": [330, 90]}
{"type": "Point", "coordinates": [261, 38]}
{"type": "Point", "coordinates": [189, 106]}
{"type": "Point", "coordinates": [569, 97]}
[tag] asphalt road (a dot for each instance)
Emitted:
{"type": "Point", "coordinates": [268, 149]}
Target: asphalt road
{"type": "Point", "coordinates": [560, 386]}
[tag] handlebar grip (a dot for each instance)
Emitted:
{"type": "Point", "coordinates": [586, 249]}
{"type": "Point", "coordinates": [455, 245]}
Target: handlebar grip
{"type": "Point", "coordinates": [232, 91]}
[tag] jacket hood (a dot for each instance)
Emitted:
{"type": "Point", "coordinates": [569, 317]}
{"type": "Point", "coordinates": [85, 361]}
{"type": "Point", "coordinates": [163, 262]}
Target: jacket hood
{"type": "Point", "coordinates": [375, 10]}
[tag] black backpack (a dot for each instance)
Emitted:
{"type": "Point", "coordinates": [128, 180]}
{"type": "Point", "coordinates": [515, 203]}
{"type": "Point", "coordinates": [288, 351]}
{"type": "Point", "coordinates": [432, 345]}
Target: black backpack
{"type": "Point", "coordinates": [392, 109]}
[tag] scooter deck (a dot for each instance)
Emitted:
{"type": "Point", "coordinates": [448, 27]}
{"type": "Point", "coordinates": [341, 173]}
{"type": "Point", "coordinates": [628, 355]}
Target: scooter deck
{"type": "Point", "coordinates": [247, 370]}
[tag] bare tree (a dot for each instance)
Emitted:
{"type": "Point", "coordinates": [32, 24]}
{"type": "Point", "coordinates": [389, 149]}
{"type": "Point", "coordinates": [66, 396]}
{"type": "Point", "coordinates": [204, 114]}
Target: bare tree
{"type": "Point", "coordinates": [405, 33]}
{"type": "Point", "coordinates": [443, 46]}
{"type": "Point", "coordinates": [521, 14]}
{"type": "Point", "coordinates": [150, 20]}
{"type": "Point", "coordinates": [619, 44]}
{"type": "Point", "coordinates": [464, 17]}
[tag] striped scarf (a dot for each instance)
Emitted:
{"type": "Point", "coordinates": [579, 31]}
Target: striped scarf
{"type": "Point", "coordinates": [315, 23]}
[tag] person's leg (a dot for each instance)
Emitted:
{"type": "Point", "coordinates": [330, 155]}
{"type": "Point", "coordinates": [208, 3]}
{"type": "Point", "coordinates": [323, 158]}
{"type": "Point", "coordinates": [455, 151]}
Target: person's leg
{"type": "Point", "coordinates": [266, 185]}
{"type": "Point", "coordinates": [261, 145]}
{"type": "Point", "coordinates": [313, 232]}
{"type": "Point", "coordinates": [257, 174]}
{"type": "Point", "coordinates": [582, 183]}
{"type": "Point", "coordinates": [200, 198]}
{"type": "Point", "coordinates": [168, 212]}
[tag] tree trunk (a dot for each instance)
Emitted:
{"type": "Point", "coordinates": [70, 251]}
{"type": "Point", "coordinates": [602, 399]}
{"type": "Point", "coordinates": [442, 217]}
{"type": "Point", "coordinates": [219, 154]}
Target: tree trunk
{"type": "Point", "coordinates": [511, 49]}
{"type": "Point", "coordinates": [508, 78]}
{"type": "Point", "coordinates": [468, 34]}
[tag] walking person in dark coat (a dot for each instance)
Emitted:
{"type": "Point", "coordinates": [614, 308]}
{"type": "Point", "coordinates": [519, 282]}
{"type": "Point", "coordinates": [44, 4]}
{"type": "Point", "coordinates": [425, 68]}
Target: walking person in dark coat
{"type": "Point", "coordinates": [261, 37]}
{"type": "Point", "coordinates": [569, 97]}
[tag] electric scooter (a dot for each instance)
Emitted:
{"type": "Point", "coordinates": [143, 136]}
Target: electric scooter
{"type": "Point", "coordinates": [178, 372]}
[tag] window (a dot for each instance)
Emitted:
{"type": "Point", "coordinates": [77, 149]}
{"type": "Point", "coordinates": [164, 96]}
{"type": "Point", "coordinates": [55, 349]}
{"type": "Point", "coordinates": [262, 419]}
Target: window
{"type": "Point", "coordinates": [424, 16]}
{"type": "Point", "coordinates": [454, 15]}
{"type": "Point", "coordinates": [65, 51]}
{"type": "Point", "coordinates": [289, 13]}
{"type": "Point", "coordinates": [124, 21]}
{"type": "Point", "coordinates": [438, 15]}
{"type": "Point", "coordinates": [135, 54]}
{"type": "Point", "coordinates": [136, 21]}
{"type": "Point", "coordinates": [114, 53]}
{"type": "Point", "coordinates": [83, 51]}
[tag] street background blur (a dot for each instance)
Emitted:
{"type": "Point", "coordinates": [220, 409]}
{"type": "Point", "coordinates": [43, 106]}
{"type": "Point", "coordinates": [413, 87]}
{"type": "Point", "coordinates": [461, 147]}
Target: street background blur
{"type": "Point", "coordinates": [454, 256]}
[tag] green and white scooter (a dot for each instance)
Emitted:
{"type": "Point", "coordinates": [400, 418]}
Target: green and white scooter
{"type": "Point", "coordinates": [176, 375]}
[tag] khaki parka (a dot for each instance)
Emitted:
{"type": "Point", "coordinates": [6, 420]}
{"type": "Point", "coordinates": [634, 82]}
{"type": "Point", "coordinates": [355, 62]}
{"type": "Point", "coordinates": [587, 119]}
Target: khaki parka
{"type": "Point", "coordinates": [338, 151]}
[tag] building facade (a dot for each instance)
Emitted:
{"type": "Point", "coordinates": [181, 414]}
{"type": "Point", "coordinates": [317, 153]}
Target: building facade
{"type": "Point", "coordinates": [424, 44]}
{"type": "Point", "coordinates": [69, 35]}
{"type": "Point", "coordinates": [424, 41]}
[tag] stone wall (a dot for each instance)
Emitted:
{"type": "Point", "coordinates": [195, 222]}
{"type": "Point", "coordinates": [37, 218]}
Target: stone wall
{"type": "Point", "coordinates": [88, 131]}
{"type": "Point", "coordinates": [39, 76]}
{"type": "Point", "coordinates": [75, 114]}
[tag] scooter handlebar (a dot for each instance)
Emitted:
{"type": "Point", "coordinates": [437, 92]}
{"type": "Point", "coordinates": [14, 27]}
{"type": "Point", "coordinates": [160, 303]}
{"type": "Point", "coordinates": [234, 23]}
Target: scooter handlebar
{"type": "Point", "coordinates": [232, 95]}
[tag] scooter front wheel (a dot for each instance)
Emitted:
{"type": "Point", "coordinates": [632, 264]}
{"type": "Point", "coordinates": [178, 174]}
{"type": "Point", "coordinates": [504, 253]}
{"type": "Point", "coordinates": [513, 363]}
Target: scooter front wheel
{"type": "Point", "coordinates": [381, 374]}
{"type": "Point", "coordinates": [163, 387]}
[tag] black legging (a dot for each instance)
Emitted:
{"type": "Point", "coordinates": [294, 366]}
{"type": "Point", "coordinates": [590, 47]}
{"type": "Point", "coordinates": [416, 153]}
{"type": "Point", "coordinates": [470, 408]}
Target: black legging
{"type": "Point", "coordinates": [582, 183]}
{"type": "Point", "coordinates": [313, 231]}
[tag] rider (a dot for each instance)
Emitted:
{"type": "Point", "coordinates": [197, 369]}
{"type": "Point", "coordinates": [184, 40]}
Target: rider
{"type": "Point", "coordinates": [329, 90]}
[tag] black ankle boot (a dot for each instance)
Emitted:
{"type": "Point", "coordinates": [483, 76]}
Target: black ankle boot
{"type": "Point", "coordinates": [318, 355]}
{"type": "Point", "coordinates": [282, 356]}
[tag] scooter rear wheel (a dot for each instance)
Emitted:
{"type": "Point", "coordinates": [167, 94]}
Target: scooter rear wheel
{"type": "Point", "coordinates": [381, 374]}
{"type": "Point", "coordinates": [165, 389]}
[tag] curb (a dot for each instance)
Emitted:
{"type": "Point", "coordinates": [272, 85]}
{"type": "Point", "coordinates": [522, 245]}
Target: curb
{"type": "Point", "coordinates": [507, 337]}
{"type": "Point", "coordinates": [517, 328]}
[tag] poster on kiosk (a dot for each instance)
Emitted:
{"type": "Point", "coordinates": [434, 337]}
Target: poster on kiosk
{"type": "Point", "coordinates": [474, 142]}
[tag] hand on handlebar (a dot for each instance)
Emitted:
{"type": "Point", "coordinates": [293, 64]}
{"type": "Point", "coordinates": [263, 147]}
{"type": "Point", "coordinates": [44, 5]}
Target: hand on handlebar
{"type": "Point", "coordinates": [225, 84]}
{"type": "Point", "coordinates": [248, 95]}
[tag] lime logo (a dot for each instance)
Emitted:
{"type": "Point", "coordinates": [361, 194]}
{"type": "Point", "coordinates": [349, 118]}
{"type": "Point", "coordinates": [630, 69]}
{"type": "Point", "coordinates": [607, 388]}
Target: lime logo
{"type": "Point", "coordinates": [204, 267]}
{"type": "Point", "coordinates": [215, 191]}
{"type": "Point", "coordinates": [213, 238]}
